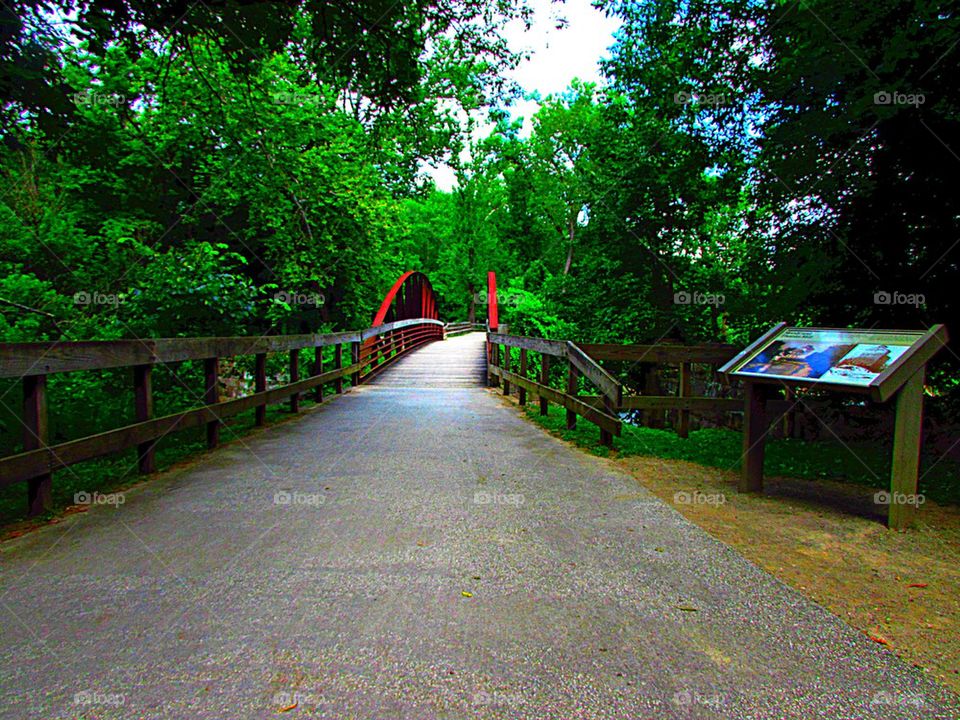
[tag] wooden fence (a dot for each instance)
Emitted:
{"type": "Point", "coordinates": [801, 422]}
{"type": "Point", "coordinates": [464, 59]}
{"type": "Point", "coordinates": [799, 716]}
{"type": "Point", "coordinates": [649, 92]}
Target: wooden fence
{"type": "Point", "coordinates": [370, 351]}
{"type": "Point", "coordinates": [604, 409]}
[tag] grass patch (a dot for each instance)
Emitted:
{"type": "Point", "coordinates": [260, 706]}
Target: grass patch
{"type": "Point", "coordinates": [861, 463]}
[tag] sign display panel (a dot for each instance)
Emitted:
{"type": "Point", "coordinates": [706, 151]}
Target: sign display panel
{"type": "Point", "coordinates": [826, 355]}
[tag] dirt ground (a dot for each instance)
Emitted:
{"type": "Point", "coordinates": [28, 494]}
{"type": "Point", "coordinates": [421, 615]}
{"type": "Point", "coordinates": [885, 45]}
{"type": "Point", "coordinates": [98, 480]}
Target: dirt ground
{"type": "Point", "coordinates": [828, 541]}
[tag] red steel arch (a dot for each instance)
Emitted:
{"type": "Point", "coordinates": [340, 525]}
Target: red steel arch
{"type": "Point", "coordinates": [493, 313]}
{"type": "Point", "coordinates": [414, 299]}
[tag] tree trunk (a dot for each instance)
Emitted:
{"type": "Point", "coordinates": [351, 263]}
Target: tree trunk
{"type": "Point", "coordinates": [571, 229]}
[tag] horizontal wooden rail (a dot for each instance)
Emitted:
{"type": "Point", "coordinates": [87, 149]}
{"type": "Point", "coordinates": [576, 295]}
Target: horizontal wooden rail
{"type": "Point", "coordinates": [666, 354]}
{"type": "Point", "coordinates": [557, 348]}
{"type": "Point", "coordinates": [17, 468]}
{"type": "Point", "coordinates": [775, 407]}
{"type": "Point", "coordinates": [583, 409]}
{"type": "Point", "coordinates": [672, 402]}
{"type": "Point", "coordinates": [44, 358]}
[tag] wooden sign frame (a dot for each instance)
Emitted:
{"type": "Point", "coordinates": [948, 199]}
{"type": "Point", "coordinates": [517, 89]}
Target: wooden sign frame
{"type": "Point", "coordinates": [901, 379]}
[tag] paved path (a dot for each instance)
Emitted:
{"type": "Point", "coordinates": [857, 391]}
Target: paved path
{"type": "Point", "coordinates": [459, 362]}
{"type": "Point", "coordinates": [326, 560]}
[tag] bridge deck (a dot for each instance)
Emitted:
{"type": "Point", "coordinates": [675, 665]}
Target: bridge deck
{"type": "Point", "coordinates": [457, 362]}
{"type": "Point", "coordinates": [405, 553]}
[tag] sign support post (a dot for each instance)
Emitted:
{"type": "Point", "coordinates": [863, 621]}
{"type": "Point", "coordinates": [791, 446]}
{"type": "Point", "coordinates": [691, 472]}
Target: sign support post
{"type": "Point", "coordinates": [755, 429]}
{"type": "Point", "coordinates": [905, 468]}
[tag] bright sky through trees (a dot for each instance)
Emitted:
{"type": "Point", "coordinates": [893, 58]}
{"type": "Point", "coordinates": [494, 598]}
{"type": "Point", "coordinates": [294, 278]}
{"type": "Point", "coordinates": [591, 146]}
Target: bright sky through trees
{"type": "Point", "coordinates": [566, 41]}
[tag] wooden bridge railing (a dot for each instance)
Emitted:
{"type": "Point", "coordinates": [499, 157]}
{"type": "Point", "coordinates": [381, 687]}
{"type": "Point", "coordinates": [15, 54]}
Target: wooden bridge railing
{"type": "Point", "coordinates": [460, 328]}
{"type": "Point", "coordinates": [578, 363]}
{"type": "Point", "coordinates": [370, 351]}
{"type": "Point", "coordinates": [585, 359]}
{"type": "Point", "coordinates": [393, 340]}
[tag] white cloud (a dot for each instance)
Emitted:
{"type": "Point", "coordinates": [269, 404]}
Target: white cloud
{"type": "Point", "coordinates": [560, 55]}
{"type": "Point", "coordinates": [557, 56]}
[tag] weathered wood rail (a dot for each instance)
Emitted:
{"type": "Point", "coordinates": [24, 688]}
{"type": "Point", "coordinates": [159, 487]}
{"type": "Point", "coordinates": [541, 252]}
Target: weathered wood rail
{"type": "Point", "coordinates": [578, 363]}
{"type": "Point", "coordinates": [370, 350]}
{"type": "Point", "coordinates": [604, 409]}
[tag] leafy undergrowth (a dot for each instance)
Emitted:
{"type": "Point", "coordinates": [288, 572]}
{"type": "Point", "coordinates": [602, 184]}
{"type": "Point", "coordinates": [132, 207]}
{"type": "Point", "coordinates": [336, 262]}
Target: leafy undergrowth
{"type": "Point", "coordinates": [110, 474]}
{"type": "Point", "coordinates": [861, 463]}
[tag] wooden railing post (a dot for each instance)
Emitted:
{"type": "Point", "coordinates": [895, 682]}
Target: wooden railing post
{"type": "Point", "coordinates": [683, 424]}
{"type": "Point", "coordinates": [211, 396]}
{"type": "Point", "coordinates": [294, 377]}
{"type": "Point", "coordinates": [35, 432]}
{"type": "Point", "coordinates": [338, 364]}
{"type": "Point", "coordinates": [489, 358]}
{"type": "Point", "coordinates": [544, 380]}
{"type": "Point", "coordinates": [506, 367]}
{"type": "Point", "coordinates": [606, 437]}
{"type": "Point", "coordinates": [260, 385]}
{"type": "Point", "coordinates": [318, 370]}
{"type": "Point", "coordinates": [522, 392]}
{"type": "Point", "coordinates": [571, 391]}
{"type": "Point", "coordinates": [653, 418]}
{"type": "Point", "coordinates": [355, 359]}
{"type": "Point", "coordinates": [143, 409]}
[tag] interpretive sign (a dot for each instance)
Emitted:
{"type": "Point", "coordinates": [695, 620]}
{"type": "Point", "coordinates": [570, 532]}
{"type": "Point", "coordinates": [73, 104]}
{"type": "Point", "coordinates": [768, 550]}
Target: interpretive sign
{"type": "Point", "coordinates": [825, 355]}
{"type": "Point", "coordinates": [881, 363]}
